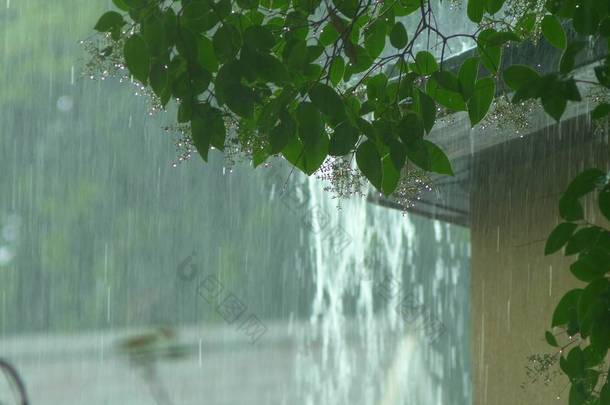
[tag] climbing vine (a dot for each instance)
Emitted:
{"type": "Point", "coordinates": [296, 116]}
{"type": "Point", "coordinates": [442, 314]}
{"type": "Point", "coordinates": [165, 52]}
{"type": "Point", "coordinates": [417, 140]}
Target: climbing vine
{"type": "Point", "coordinates": [583, 314]}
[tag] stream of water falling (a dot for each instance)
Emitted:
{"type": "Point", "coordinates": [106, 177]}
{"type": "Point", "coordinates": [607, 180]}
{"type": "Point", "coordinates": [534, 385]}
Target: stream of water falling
{"type": "Point", "coordinates": [361, 348]}
{"type": "Point", "coordinates": [376, 353]}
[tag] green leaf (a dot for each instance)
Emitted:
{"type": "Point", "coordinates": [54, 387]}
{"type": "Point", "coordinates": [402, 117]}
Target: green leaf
{"type": "Point", "coordinates": [207, 128]}
{"type": "Point", "coordinates": [428, 110]}
{"type": "Point", "coordinates": [550, 339]}
{"type": "Point", "coordinates": [411, 129]}
{"type": "Point", "coordinates": [185, 110]}
{"type": "Point", "coordinates": [199, 17]}
{"type": "Point", "coordinates": [602, 72]}
{"type": "Point", "coordinates": [553, 31]}
{"type": "Point", "coordinates": [153, 33]}
{"type": "Point", "coordinates": [425, 64]}
{"type": "Point", "coordinates": [600, 335]}
{"type": "Point", "coordinates": [327, 100]}
{"type": "Point", "coordinates": [158, 78]}
{"type": "Point", "coordinates": [604, 395]}
{"type": "Point", "coordinates": [137, 58]}
{"type": "Point", "coordinates": [566, 309]}
{"type": "Point", "coordinates": [314, 52]}
{"type": "Point", "coordinates": [309, 156]}
{"type": "Point", "coordinates": [493, 6]}
{"type": "Point", "coordinates": [601, 111]}
{"type": "Point", "coordinates": [586, 17]}
{"type": "Point", "coordinates": [467, 77]}
{"type": "Point", "coordinates": [447, 80]}
{"type": "Point", "coordinates": [568, 59]}
{"type": "Point", "coordinates": [479, 103]}
{"type": "Point", "coordinates": [475, 10]}
{"type": "Point", "coordinates": [575, 363]}
{"type": "Point", "coordinates": [593, 305]}
{"type": "Point", "coordinates": [259, 38]}
{"type": "Point", "coordinates": [308, 6]}
{"type": "Point", "coordinates": [369, 163]}
{"type": "Point", "coordinates": [604, 202]}
{"type": "Point", "coordinates": [337, 69]}
{"type": "Point", "coordinates": [390, 175]}
{"type": "Point", "coordinates": [593, 356]}
{"type": "Point", "coordinates": [500, 38]}
{"type": "Point", "coordinates": [296, 26]}
{"type": "Point", "coordinates": [363, 61]}
{"type": "Point", "coordinates": [109, 21]}
{"type": "Point", "coordinates": [590, 265]}
{"type": "Point", "coordinates": [349, 8]}
{"type": "Point", "coordinates": [490, 54]}
{"type": "Point", "coordinates": [604, 27]}
{"type": "Point", "coordinates": [584, 183]}
{"type": "Point", "coordinates": [200, 137]}
{"type": "Point", "coordinates": [429, 157]}
{"type": "Point", "coordinates": [398, 153]}
{"type": "Point", "coordinates": [226, 42]}
{"type": "Point", "coordinates": [268, 68]}
{"type": "Point", "coordinates": [310, 122]}
{"type": "Point", "coordinates": [518, 76]}
{"type": "Point", "coordinates": [206, 55]}
{"type": "Point", "coordinates": [343, 139]}
{"type": "Point", "coordinates": [398, 36]}
{"type": "Point", "coordinates": [376, 87]}
{"type": "Point", "coordinates": [329, 35]}
{"type": "Point", "coordinates": [295, 54]}
{"type": "Point", "coordinates": [135, 3]}
{"type": "Point", "coordinates": [239, 98]}
{"type": "Point", "coordinates": [410, 6]}
{"type": "Point", "coordinates": [121, 5]}
{"type": "Point", "coordinates": [281, 135]}
{"type": "Point", "coordinates": [570, 209]}
{"type": "Point", "coordinates": [247, 4]}
{"type": "Point", "coordinates": [559, 237]}
{"type": "Point", "coordinates": [578, 394]}
{"type": "Point", "coordinates": [374, 38]}
{"type": "Point", "coordinates": [583, 240]}
{"type": "Point", "coordinates": [554, 103]}
{"type": "Point", "coordinates": [449, 99]}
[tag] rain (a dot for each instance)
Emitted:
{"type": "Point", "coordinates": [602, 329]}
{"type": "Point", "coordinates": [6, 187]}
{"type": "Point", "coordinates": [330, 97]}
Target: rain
{"type": "Point", "coordinates": [132, 272]}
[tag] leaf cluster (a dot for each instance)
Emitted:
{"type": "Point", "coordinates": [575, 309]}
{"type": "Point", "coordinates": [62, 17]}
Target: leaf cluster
{"type": "Point", "coordinates": [312, 79]}
{"type": "Point", "coordinates": [585, 312]}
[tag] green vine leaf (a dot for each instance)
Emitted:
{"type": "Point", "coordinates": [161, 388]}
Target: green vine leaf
{"type": "Point", "coordinates": [566, 309]}
{"type": "Point", "coordinates": [482, 97]}
{"type": "Point", "coordinates": [109, 21]}
{"type": "Point", "coordinates": [429, 157]}
{"type": "Point", "coordinates": [553, 31]}
{"type": "Point", "coordinates": [559, 237]}
{"type": "Point", "coordinates": [398, 36]}
{"type": "Point", "coordinates": [475, 10]}
{"type": "Point", "coordinates": [137, 58]}
{"type": "Point", "coordinates": [369, 162]}
{"type": "Point", "coordinates": [425, 64]}
{"type": "Point", "coordinates": [327, 100]}
{"type": "Point", "coordinates": [550, 339]}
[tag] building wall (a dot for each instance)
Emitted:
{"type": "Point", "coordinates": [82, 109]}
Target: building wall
{"type": "Point", "coordinates": [514, 287]}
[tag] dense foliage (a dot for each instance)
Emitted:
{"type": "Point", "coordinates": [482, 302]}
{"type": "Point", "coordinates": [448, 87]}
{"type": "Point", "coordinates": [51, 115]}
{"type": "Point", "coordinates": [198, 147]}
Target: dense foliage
{"type": "Point", "coordinates": [584, 313]}
{"type": "Point", "coordinates": [312, 79]}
